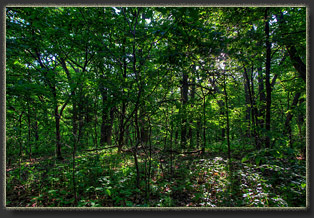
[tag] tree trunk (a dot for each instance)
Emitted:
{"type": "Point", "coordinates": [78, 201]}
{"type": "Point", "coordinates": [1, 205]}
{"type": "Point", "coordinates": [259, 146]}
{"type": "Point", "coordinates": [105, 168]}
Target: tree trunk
{"type": "Point", "coordinates": [73, 93]}
{"type": "Point", "coordinates": [138, 140]}
{"type": "Point", "coordinates": [262, 100]}
{"type": "Point", "coordinates": [192, 117]}
{"type": "Point", "coordinates": [204, 124]}
{"type": "Point", "coordinates": [58, 137]}
{"type": "Point", "coordinates": [297, 62]}
{"type": "Point", "coordinates": [80, 115]}
{"type": "Point", "coordinates": [123, 109]}
{"type": "Point", "coordinates": [36, 132]}
{"type": "Point", "coordinates": [221, 106]}
{"type": "Point", "coordinates": [198, 127]}
{"type": "Point", "coordinates": [248, 108]}
{"type": "Point", "coordinates": [74, 120]}
{"type": "Point", "coordinates": [268, 86]}
{"type": "Point", "coordinates": [107, 122]}
{"type": "Point", "coordinates": [29, 130]}
{"type": "Point", "coordinates": [184, 99]}
{"type": "Point", "coordinates": [292, 51]}
{"type": "Point", "coordinates": [227, 120]}
{"type": "Point", "coordinates": [252, 105]}
{"type": "Point", "coordinates": [143, 124]}
{"type": "Point", "coordinates": [20, 144]}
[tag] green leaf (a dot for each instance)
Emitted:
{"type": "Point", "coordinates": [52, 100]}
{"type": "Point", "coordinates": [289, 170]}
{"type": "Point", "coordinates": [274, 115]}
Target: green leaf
{"type": "Point", "coordinates": [244, 159]}
{"type": "Point", "coordinates": [52, 191]}
{"type": "Point", "coordinates": [99, 188]}
{"type": "Point", "coordinates": [108, 192]}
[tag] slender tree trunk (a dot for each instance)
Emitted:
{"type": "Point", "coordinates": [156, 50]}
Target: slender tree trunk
{"type": "Point", "coordinates": [80, 116]}
{"type": "Point", "coordinates": [36, 134]}
{"type": "Point", "coordinates": [204, 124]}
{"type": "Point", "coordinates": [192, 117]}
{"type": "Point", "coordinates": [255, 117]}
{"type": "Point", "coordinates": [104, 120]}
{"type": "Point", "coordinates": [171, 149]}
{"type": "Point", "coordinates": [252, 107]}
{"type": "Point", "coordinates": [267, 74]}
{"type": "Point", "coordinates": [184, 98]}
{"type": "Point", "coordinates": [198, 127]}
{"type": "Point", "coordinates": [96, 124]}
{"type": "Point", "coordinates": [107, 121]}
{"type": "Point", "coordinates": [138, 140]}
{"type": "Point", "coordinates": [123, 109]}
{"type": "Point", "coordinates": [21, 145]}
{"type": "Point", "coordinates": [248, 108]}
{"type": "Point", "coordinates": [262, 108]}
{"type": "Point", "coordinates": [150, 159]}
{"type": "Point", "coordinates": [255, 112]}
{"type": "Point", "coordinates": [143, 124]}
{"type": "Point", "coordinates": [227, 119]}
{"type": "Point", "coordinates": [176, 137]}
{"type": "Point", "coordinates": [29, 130]}
{"type": "Point", "coordinates": [58, 136]}
{"type": "Point", "coordinates": [110, 126]}
{"type": "Point", "coordinates": [75, 140]}
{"type": "Point", "coordinates": [74, 119]}
{"type": "Point", "coordinates": [121, 128]}
{"type": "Point", "coordinates": [221, 108]}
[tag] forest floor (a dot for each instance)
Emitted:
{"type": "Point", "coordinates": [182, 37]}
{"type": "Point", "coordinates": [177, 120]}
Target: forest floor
{"type": "Point", "coordinates": [109, 179]}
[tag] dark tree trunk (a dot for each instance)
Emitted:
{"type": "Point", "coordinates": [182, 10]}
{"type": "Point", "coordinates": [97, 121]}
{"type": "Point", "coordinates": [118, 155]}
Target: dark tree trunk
{"type": "Point", "coordinates": [184, 98]}
{"type": "Point", "coordinates": [109, 129]}
{"type": "Point", "coordinates": [262, 98]}
{"type": "Point", "coordinates": [58, 137]}
{"type": "Point", "coordinates": [29, 130]}
{"type": "Point", "coordinates": [227, 120]}
{"type": "Point", "coordinates": [74, 120]}
{"type": "Point", "coordinates": [144, 129]}
{"type": "Point", "coordinates": [36, 131]}
{"type": "Point", "coordinates": [254, 110]}
{"type": "Point", "coordinates": [74, 100]}
{"type": "Point", "coordinates": [80, 116]}
{"type": "Point", "coordinates": [121, 128]}
{"type": "Point", "coordinates": [204, 124]}
{"type": "Point", "coordinates": [57, 121]}
{"type": "Point", "coordinates": [267, 75]}
{"type": "Point", "coordinates": [198, 127]}
{"type": "Point", "coordinates": [262, 108]}
{"type": "Point", "coordinates": [107, 122]}
{"type": "Point", "coordinates": [297, 62]}
{"type": "Point", "coordinates": [248, 108]}
{"type": "Point", "coordinates": [20, 144]}
{"type": "Point", "coordinates": [123, 108]}
{"type": "Point", "coordinates": [103, 121]}
{"type": "Point", "coordinates": [252, 105]}
{"type": "Point", "coordinates": [255, 117]}
{"type": "Point", "coordinates": [292, 51]}
{"type": "Point", "coordinates": [221, 106]}
{"type": "Point", "coordinates": [190, 135]}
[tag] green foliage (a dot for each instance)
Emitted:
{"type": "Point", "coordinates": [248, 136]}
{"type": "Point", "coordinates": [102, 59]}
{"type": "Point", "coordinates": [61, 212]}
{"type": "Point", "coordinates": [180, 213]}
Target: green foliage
{"type": "Point", "coordinates": [141, 106]}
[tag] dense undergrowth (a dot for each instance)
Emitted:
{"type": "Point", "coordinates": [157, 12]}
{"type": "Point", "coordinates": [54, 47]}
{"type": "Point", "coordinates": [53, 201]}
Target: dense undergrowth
{"type": "Point", "coordinates": [108, 179]}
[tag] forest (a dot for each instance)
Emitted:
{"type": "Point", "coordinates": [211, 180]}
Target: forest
{"type": "Point", "coordinates": [156, 107]}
